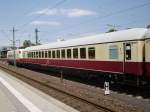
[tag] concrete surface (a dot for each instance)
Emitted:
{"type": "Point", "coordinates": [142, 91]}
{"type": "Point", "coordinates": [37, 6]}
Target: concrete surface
{"type": "Point", "coordinates": [17, 96]}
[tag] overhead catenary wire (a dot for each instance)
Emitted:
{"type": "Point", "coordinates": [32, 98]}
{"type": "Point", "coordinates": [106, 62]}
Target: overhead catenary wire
{"type": "Point", "coordinates": [25, 24]}
{"type": "Point", "coordinates": [52, 7]}
{"type": "Point", "coordinates": [91, 20]}
{"type": "Point", "coordinates": [95, 31]}
{"type": "Point", "coordinates": [5, 34]}
{"type": "Point", "coordinates": [108, 15]}
{"type": "Point", "coordinates": [90, 32]}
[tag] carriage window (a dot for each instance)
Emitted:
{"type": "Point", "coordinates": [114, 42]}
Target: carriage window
{"type": "Point", "coordinates": [63, 53]}
{"type": "Point", "coordinates": [82, 53]}
{"type": "Point", "coordinates": [28, 54]}
{"type": "Point", "coordinates": [42, 54]}
{"type": "Point", "coordinates": [49, 54]}
{"type": "Point", "coordinates": [68, 53]}
{"type": "Point", "coordinates": [53, 54]}
{"type": "Point", "coordinates": [75, 53]}
{"type": "Point", "coordinates": [39, 54]}
{"type": "Point", "coordinates": [23, 55]}
{"type": "Point", "coordinates": [32, 54]}
{"type": "Point", "coordinates": [46, 54]}
{"type": "Point", "coordinates": [58, 53]}
{"type": "Point", "coordinates": [128, 51]}
{"type": "Point", "coordinates": [36, 54]}
{"type": "Point", "coordinates": [91, 52]}
{"type": "Point", "coordinates": [113, 52]}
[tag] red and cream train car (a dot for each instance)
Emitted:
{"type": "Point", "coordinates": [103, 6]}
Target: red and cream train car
{"type": "Point", "coordinates": [147, 56]}
{"type": "Point", "coordinates": [123, 53]}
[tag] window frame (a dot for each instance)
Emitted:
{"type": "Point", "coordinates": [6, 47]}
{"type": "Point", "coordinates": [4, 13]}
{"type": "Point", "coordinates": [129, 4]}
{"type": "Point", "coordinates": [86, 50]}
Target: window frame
{"type": "Point", "coordinates": [114, 52]}
{"type": "Point", "coordinates": [37, 54]}
{"type": "Point", "coordinates": [91, 55]}
{"type": "Point", "coordinates": [83, 54]}
{"type": "Point", "coordinates": [34, 56]}
{"type": "Point", "coordinates": [58, 53]}
{"type": "Point", "coordinates": [128, 51]}
{"type": "Point", "coordinates": [43, 54]}
{"type": "Point", "coordinates": [46, 54]}
{"type": "Point", "coordinates": [69, 54]}
{"type": "Point", "coordinates": [63, 54]}
{"type": "Point", "coordinates": [49, 54]}
{"type": "Point", "coordinates": [53, 54]}
{"type": "Point", "coordinates": [75, 53]}
{"type": "Point", "coordinates": [40, 54]}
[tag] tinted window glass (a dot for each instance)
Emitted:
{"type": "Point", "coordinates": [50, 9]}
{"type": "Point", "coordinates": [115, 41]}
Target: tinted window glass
{"type": "Point", "coordinates": [113, 52]}
{"type": "Point", "coordinates": [42, 54]}
{"type": "Point", "coordinates": [128, 51]}
{"type": "Point", "coordinates": [58, 53]}
{"type": "Point", "coordinates": [29, 54]}
{"type": "Point", "coordinates": [75, 53]}
{"type": "Point", "coordinates": [53, 54]}
{"type": "Point", "coordinates": [68, 53]}
{"type": "Point", "coordinates": [63, 53]}
{"type": "Point", "coordinates": [49, 54]}
{"type": "Point", "coordinates": [46, 54]}
{"type": "Point", "coordinates": [91, 52]}
{"type": "Point", "coordinates": [82, 53]}
{"type": "Point", "coordinates": [32, 54]}
{"type": "Point", "coordinates": [39, 54]}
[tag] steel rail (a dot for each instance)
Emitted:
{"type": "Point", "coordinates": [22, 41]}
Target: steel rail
{"type": "Point", "coordinates": [19, 75]}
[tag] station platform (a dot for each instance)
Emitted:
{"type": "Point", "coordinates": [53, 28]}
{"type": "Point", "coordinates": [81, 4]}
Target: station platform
{"type": "Point", "coordinates": [17, 96]}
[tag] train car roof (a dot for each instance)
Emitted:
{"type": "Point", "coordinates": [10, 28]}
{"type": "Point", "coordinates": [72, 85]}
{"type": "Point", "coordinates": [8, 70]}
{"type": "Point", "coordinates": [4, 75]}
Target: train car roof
{"type": "Point", "coordinates": [123, 35]}
{"type": "Point", "coordinates": [16, 50]}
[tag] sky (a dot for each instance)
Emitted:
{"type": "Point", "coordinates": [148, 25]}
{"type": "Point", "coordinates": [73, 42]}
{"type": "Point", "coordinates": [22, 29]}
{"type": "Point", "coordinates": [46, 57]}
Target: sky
{"type": "Point", "coordinates": [68, 19]}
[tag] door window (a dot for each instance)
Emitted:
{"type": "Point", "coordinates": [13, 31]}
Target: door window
{"type": "Point", "coordinates": [128, 51]}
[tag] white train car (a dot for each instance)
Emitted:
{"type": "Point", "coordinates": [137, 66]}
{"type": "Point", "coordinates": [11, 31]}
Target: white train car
{"type": "Point", "coordinates": [18, 55]}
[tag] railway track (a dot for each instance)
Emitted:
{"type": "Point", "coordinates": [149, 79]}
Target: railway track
{"type": "Point", "coordinates": [80, 96]}
{"type": "Point", "coordinates": [89, 106]}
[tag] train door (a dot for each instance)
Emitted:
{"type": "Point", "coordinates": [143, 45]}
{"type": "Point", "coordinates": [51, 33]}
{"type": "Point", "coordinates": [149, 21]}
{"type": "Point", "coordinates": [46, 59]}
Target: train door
{"type": "Point", "coordinates": [130, 57]}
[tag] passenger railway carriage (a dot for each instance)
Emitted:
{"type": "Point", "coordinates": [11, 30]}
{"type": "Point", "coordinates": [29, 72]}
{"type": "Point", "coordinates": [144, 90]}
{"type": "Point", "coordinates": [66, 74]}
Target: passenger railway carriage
{"type": "Point", "coordinates": [147, 56]}
{"type": "Point", "coordinates": [121, 55]}
{"type": "Point", "coordinates": [18, 55]}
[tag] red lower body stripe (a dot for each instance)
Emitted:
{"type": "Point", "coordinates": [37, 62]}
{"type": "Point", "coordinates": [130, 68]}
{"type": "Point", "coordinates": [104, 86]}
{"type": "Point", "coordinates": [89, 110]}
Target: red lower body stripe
{"type": "Point", "coordinates": [135, 68]}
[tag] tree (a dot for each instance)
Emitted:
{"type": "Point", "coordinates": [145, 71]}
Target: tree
{"type": "Point", "coordinates": [27, 43]}
{"type": "Point", "coordinates": [148, 26]}
{"type": "Point", "coordinates": [111, 30]}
